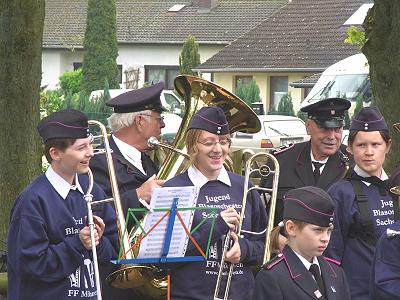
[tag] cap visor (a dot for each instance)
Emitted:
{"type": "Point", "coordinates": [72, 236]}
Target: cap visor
{"type": "Point", "coordinates": [332, 123]}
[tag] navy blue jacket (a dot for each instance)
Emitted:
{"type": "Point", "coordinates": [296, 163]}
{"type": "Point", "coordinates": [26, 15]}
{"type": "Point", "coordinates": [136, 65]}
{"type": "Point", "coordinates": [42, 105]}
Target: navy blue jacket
{"type": "Point", "coordinates": [286, 278]}
{"type": "Point", "coordinates": [46, 257]}
{"type": "Point", "coordinates": [196, 280]}
{"type": "Point", "coordinates": [354, 252]}
{"type": "Point", "coordinates": [385, 275]}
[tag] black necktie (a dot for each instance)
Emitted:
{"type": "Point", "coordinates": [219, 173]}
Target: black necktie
{"type": "Point", "coordinates": [314, 269]}
{"type": "Point", "coordinates": [317, 172]}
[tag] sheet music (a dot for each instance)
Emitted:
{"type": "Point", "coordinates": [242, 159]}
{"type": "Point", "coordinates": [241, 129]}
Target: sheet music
{"type": "Point", "coordinates": [152, 245]}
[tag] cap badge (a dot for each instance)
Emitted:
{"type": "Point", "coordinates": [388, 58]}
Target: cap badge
{"type": "Point", "coordinates": [366, 126]}
{"type": "Point", "coordinates": [333, 112]}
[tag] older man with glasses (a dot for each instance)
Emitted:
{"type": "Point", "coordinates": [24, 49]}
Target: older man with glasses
{"type": "Point", "coordinates": [319, 162]}
{"type": "Point", "coordinates": [135, 119]}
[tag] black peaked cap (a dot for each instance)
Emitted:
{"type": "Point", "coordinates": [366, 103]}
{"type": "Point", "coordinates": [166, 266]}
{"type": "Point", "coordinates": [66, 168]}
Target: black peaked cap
{"type": "Point", "coordinates": [147, 98]}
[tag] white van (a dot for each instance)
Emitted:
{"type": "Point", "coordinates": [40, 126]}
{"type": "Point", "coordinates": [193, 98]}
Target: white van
{"type": "Point", "coordinates": [348, 78]}
{"type": "Point", "coordinates": [169, 99]}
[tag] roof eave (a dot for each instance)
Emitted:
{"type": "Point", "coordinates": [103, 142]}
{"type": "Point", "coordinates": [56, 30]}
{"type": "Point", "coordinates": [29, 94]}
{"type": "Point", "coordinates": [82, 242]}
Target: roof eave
{"type": "Point", "coordinates": [58, 46]}
{"type": "Point", "coordinates": [228, 70]}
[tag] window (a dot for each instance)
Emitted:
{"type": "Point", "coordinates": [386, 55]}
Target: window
{"type": "Point", "coordinates": [243, 80]}
{"type": "Point", "coordinates": [77, 65]}
{"type": "Point", "coordinates": [119, 76]}
{"type": "Point", "coordinates": [279, 88]}
{"type": "Point", "coordinates": [154, 74]}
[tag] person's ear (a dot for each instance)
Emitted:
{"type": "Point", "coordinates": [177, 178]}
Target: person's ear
{"type": "Point", "coordinates": [291, 228]}
{"type": "Point", "coordinates": [55, 153]}
{"type": "Point", "coordinates": [139, 119]}
{"type": "Point", "coordinates": [308, 124]}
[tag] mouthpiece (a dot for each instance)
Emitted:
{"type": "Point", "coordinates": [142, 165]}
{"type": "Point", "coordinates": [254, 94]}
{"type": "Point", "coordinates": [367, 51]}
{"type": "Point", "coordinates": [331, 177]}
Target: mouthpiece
{"type": "Point", "coordinates": [153, 142]}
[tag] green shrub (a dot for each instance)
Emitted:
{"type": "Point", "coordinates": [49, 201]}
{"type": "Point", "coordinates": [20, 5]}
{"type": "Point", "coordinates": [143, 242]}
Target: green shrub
{"type": "Point", "coordinates": [249, 92]}
{"type": "Point", "coordinates": [285, 106]}
{"type": "Point", "coordinates": [71, 82]}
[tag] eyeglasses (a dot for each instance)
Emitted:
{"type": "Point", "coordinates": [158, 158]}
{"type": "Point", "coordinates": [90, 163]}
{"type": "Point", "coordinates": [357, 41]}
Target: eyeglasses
{"type": "Point", "coordinates": [210, 144]}
{"type": "Point", "coordinates": [159, 119]}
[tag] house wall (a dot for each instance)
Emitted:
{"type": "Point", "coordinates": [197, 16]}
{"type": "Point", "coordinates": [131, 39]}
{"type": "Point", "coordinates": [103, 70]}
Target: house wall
{"type": "Point", "coordinates": [57, 61]}
{"type": "Point", "coordinates": [227, 80]}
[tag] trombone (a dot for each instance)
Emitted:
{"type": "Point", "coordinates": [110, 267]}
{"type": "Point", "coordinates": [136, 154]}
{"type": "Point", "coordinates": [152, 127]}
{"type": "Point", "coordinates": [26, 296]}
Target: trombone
{"type": "Point", "coordinates": [89, 198]}
{"type": "Point", "coordinates": [117, 204]}
{"type": "Point", "coordinates": [264, 170]}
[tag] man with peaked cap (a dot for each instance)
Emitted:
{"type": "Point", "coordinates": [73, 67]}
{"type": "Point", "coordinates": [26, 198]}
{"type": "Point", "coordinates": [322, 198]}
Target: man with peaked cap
{"type": "Point", "coordinates": [319, 162]}
{"type": "Point", "coordinates": [300, 271]}
{"type": "Point", "coordinates": [208, 143]}
{"type": "Point", "coordinates": [136, 118]}
{"type": "Point", "coordinates": [364, 207]}
{"type": "Point", "coordinates": [49, 238]}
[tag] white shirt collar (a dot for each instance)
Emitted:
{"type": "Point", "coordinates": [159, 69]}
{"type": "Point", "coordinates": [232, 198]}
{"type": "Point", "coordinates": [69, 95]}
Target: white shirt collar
{"type": "Point", "coordinates": [364, 174]}
{"type": "Point", "coordinates": [130, 153]}
{"type": "Point", "coordinates": [320, 161]}
{"type": "Point", "coordinates": [60, 184]}
{"type": "Point", "coordinates": [305, 262]}
{"type": "Point", "coordinates": [198, 178]}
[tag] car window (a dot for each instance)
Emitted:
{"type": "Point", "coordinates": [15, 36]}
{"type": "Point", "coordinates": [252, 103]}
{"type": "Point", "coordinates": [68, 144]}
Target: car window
{"type": "Point", "coordinates": [284, 127]}
{"type": "Point", "coordinates": [171, 100]}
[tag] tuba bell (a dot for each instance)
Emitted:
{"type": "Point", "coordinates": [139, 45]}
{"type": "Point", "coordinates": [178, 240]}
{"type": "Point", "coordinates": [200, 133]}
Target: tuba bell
{"type": "Point", "coordinates": [196, 92]}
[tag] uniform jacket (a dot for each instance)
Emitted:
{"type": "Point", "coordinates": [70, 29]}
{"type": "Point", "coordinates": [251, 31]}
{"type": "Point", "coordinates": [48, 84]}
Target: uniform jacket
{"type": "Point", "coordinates": [286, 278]}
{"type": "Point", "coordinates": [385, 279]}
{"type": "Point", "coordinates": [352, 249]}
{"type": "Point", "coordinates": [47, 259]}
{"type": "Point", "coordinates": [196, 280]}
{"type": "Point", "coordinates": [129, 178]}
{"type": "Point", "coordinates": [296, 171]}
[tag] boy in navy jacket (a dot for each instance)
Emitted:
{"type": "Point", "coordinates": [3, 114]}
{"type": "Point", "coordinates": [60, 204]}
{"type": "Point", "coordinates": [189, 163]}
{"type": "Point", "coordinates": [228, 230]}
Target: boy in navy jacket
{"type": "Point", "coordinates": [49, 239]}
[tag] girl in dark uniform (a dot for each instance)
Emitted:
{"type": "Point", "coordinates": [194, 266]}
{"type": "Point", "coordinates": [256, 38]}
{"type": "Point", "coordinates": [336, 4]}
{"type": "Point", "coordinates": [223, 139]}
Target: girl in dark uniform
{"type": "Point", "coordinates": [299, 271]}
{"type": "Point", "coordinates": [208, 143]}
{"type": "Point", "coordinates": [364, 206]}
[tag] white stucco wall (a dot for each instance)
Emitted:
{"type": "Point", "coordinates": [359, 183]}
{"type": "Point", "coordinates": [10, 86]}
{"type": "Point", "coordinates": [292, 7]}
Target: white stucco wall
{"type": "Point", "coordinates": [56, 62]}
{"type": "Point", "coordinates": [51, 61]}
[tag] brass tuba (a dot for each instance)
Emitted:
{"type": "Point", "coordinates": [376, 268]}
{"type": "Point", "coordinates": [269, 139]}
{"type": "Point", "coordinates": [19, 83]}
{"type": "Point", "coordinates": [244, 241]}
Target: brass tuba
{"type": "Point", "coordinates": [196, 92]}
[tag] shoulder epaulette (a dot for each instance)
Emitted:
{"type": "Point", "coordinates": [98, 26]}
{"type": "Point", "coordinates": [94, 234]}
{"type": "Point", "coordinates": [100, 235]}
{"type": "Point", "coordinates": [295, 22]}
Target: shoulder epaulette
{"type": "Point", "coordinates": [273, 262]}
{"type": "Point", "coordinates": [281, 149]}
{"type": "Point", "coordinates": [336, 262]}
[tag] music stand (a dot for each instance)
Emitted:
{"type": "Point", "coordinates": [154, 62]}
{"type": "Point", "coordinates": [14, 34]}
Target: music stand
{"type": "Point", "coordinates": [172, 213]}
